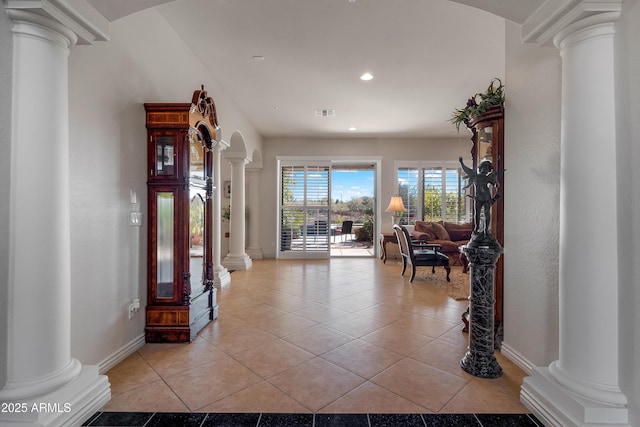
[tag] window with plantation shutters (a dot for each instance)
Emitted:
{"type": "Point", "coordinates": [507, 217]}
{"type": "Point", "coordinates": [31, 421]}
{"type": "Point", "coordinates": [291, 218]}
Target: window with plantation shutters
{"type": "Point", "coordinates": [432, 191]}
{"type": "Point", "coordinates": [304, 210]}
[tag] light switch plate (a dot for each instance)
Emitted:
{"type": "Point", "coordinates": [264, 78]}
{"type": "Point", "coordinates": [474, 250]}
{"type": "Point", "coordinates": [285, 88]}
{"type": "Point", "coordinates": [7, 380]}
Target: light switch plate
{"type": "Point", "coordinates": [135, 219]}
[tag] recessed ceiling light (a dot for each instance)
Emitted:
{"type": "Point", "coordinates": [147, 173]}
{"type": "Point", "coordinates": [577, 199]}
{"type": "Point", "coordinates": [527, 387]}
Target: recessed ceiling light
{"type": "Point", "coordinates": [353, 129]}
{"type": "Point", "coordinates": [366, 77]}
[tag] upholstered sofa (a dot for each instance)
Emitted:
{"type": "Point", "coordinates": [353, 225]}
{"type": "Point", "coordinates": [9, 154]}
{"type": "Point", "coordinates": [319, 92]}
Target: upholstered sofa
{"type": "Point", "coordinates": [449, 235]}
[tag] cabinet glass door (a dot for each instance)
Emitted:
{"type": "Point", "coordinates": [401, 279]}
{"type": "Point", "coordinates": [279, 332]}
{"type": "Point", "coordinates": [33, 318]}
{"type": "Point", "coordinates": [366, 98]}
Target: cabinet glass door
{"type": "Point", "coordinates": [165, 155]}
{"type": "Point", "coordinates": [485, 144]}
{"type": "Point", "coordinates": [197, 235]}
{"type": "Point", "coordinates": [165, 205]}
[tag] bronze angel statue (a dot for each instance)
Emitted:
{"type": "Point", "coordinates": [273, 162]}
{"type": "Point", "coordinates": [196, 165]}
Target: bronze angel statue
{"type": "Point", "coordinates": [486, 187]}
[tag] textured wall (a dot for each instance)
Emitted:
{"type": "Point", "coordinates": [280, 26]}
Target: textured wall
{"type": "Point", "coordinates": [532, 194]}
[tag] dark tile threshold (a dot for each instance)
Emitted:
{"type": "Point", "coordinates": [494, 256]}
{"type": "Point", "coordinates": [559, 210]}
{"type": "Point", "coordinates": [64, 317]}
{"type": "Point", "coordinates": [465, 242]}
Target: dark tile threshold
{"type": "Point", "coordinates": [201, 419]}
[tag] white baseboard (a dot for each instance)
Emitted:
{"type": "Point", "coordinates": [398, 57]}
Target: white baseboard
{"type": "Point", "coordinates": [119, 355]}
{"type": "Point", "coordinates": [517, 358]}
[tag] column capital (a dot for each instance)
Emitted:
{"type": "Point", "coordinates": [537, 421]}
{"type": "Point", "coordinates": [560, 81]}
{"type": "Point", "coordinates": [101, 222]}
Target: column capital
{"type": "Point", "coordinates": [556, 19]}
{"type": "Point", "coordinates": [78, 21]}
{"type": "Point", "coordinates": [236, 159]}
{"type": "Point", "coordinates": [219, 146]}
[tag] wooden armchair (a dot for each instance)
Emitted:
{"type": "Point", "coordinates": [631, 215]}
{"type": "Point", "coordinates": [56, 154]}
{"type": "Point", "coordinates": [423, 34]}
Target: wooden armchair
{"type": "Point", "coordinates": [419, 254]}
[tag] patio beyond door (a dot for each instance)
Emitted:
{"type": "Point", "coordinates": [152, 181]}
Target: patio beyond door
{"type": "Point", "coordinates": [353, 211]}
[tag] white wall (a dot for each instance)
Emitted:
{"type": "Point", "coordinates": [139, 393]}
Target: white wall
{"type": "Point", "coordinates": [532, 197]}
{"type": "Point", "coordinates": [388, 148]}
{"type": "Point", "coordinates": [628, 158]}
{"type": "Point", "coordinates": [5, 178]}
{"type": "Point", "coordinates": [143, 62]}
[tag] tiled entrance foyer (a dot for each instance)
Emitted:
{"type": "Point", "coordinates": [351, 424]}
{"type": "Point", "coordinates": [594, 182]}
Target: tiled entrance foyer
{"type": "Point", "coordinates": [346, 335]}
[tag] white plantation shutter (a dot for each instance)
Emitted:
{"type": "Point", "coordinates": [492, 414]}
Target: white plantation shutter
{"type": "Point", "coordinates": [304, 210]}
{"type": "Point", "coordinates": [432, 191]}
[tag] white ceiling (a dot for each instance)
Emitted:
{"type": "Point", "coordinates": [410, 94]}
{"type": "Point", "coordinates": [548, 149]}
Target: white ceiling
{"type": "Point", "coordinates": [427, 57]}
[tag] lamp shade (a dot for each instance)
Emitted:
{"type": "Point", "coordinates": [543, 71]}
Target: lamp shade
{"type": "Point", "coordinates": [396, 205]}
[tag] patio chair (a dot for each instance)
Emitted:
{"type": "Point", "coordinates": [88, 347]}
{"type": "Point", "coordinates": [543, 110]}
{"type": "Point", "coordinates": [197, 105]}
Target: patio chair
{"type": "Point", "coordinates": [347, 227]}
{"type": "Point", "coordinates": [419, 254]}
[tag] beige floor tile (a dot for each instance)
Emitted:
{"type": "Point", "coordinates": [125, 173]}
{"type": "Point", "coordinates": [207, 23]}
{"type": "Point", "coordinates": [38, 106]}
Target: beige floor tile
{"type": "Point", "coordinates": [319, 339]}
{"type": "Point", "coordinates": [241, 302]}
{"type": "Point", "coordinates": [316, 383]}
{"type": "Point", "coordinates": [362, 358]}
{"type": "Point", "coordinates": [224, 323]}
{"type": "Point", "coordinates": [383, 313]}
{"type": "Point", "coordinates": [420, 383]}
{"type": "Point", "coordinates": [373, 399]}
{"type": "Point", "coordinates": [187, 356]}
{"type": "Point", "coordinates": [397, 339]}
{"type": "Point", "coordinates": [270, 359]}
{"type": "Point", "coordinates": [131, 373]}
{"type": "Point", "coordinates": [456, 336]}
{"type": "Point", "coordinates": [479, 397]}
{"type": "Point", "coordinates": [360, 315]}
{"type": "Point", "coordinates": [207, 384]}
{"type": "Point", "coordinates": [351, 303]}
{"type": "Point", "coordinates": [256, 313]}
{"type": "Point", "coordinates": [289, 303]}
{"type": "Point", "coordinates": [285, 324]}
{"type": "Point", "coordinates": [354, 324]}
{"type": "Point", "coordinates": [151, 397]}
{"type": "Point", "coordinates": [261, 397]}
{"type": "Point", "coordinates": [442, 355]}
{"type": "Point", "coordinates": [320, 313]}
{"type": "Point", "coordinates": [240, 339]}
{"type": "Point", "coordinates": [424, 325]}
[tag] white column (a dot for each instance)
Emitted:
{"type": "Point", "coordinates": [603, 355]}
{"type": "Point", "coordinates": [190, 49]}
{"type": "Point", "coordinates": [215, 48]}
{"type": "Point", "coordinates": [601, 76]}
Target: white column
{"type": "Point", "coordinates": [253, 191]}
{"type": "Point", "coordinates": [40, 368]}
{"type": "Point", "coordinates": [237, 259]}
{"type": "Point", "coordinates": [583, 386]}
{"type": "Point", "coordinates": [221, 276]}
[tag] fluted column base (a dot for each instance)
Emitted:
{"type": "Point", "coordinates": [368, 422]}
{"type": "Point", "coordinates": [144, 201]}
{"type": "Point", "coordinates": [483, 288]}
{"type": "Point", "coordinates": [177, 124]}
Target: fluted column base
{"type": "Point", "coordinates": [221, 278]}
{"type": "Point", "coordinates": [240, 262]}
{"type": "Point", "coordinates": [70, 405]}
{"type": "Point", "coordinates": [554, 405]}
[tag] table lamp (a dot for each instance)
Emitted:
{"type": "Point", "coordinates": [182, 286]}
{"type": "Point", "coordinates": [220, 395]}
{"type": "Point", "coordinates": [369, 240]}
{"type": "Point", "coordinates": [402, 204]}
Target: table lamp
{"type": "Point", "coordinates": [395, 206]}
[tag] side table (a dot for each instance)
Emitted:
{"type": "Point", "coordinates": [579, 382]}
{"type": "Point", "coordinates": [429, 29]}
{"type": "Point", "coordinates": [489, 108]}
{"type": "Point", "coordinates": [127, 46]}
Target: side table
{"type": "Point", "coordinates": [384, 239]}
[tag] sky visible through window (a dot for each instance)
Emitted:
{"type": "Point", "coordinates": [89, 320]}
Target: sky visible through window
{"type": "Point", "coordinates": [351, 184]}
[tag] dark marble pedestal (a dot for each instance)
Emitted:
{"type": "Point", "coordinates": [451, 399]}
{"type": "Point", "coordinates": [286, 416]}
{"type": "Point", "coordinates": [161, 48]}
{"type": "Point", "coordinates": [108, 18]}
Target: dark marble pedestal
{"type": "Point", "coordinates": [483, 252]}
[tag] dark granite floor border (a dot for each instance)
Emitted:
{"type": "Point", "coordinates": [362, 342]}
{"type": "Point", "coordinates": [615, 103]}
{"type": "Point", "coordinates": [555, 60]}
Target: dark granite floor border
{"type": "Point", "coordinates": [201, 419]}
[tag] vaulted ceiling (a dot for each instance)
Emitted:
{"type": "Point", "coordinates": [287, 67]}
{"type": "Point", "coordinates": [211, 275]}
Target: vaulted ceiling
{"type": "Point", "coordinates": [283, 60]}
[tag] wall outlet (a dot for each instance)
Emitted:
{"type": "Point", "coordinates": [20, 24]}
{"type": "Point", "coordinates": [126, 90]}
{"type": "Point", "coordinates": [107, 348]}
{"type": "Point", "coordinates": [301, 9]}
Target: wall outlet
{"type": "Point", "coordinates": [134, 307]}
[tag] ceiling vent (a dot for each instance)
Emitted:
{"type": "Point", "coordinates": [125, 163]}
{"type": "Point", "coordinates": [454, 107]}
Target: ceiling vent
{"type": "Point", "coordinates": [325, 113]}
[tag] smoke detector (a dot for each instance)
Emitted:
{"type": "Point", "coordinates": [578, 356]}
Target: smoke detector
{"type": "Point", "coordinates": [323, 112]}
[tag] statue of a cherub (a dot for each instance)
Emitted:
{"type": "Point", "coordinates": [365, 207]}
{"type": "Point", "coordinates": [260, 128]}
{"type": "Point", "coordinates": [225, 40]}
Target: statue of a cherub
{"type": "Point", "coordinates": [486, 187]}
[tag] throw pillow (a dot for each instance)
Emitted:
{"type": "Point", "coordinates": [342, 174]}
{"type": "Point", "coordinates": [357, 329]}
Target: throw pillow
{"type": "Point", "coordinates": [440, 232]}
{"type": "Point", "coordinates": [421, 226]}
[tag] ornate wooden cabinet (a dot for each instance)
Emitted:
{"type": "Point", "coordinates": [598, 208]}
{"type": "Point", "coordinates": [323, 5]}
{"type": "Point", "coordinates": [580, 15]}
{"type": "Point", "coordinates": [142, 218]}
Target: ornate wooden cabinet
{"type": "Point", "coordinates": [488, 144]}
{"type": "Point", "coordinates": [181, 298]}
